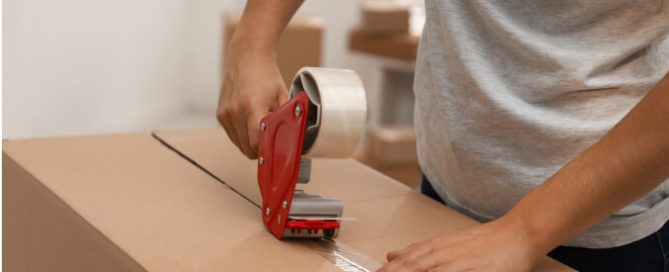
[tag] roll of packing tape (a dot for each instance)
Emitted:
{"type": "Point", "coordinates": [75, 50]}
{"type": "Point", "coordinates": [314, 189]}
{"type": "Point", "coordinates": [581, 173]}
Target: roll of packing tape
{"type": "Point", "coordinates": [337, 98]}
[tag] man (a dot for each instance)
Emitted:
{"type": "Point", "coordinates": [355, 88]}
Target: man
{"type": "Point", "coordinates": [549, 120]}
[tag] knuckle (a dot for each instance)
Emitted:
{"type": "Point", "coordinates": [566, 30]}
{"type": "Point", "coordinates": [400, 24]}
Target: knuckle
{"type": "Point", "coordinates": [412, 264]}
{"type": "Point", "coordinates": [251, 156]}
{"type": "Point", "coordinates": [402, 259]}
{"type": "Point", "coordinates": [246, 105]}
{"type": "Point", "coordinates": [254, 146]}
{"type": "Point", "coordinates": [221, 117]}
{"type": "Point", "coordinates": [221, 112]}
{"type": "Point", "coordinates": [225, 111]}
{"type": "Point", "coordinates": [232, 109]}
{"type": "Point", "coordinates": [390, 255]}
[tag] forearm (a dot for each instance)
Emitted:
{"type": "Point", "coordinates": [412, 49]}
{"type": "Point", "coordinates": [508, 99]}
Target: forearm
{"type": "Point", "coordinates": [262, 23]}
{"type": "Point", "coordinates": [252, 83]}
{"type": "Point", "coordinates": [629, 161]}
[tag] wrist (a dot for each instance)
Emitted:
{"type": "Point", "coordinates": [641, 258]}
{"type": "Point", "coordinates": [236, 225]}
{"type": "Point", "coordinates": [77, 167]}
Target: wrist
{"type": "Point", "coordinates": [245, 41]}
{"type": "Point", "coordinates": [530, 240]}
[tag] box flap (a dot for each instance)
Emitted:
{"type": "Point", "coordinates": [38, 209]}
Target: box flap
{"type": "Point", "coordinates": [41, 232]}
{"type": "Point", "coordinates": [389, 214]}
{"type": "Point", "coordinates": [346, 179]}
{"type": "Point", "coordinates": [158, 209]}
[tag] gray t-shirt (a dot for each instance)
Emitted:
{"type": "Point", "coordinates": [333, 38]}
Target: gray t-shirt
{"type": "Point", "coordinates": [508, 92]}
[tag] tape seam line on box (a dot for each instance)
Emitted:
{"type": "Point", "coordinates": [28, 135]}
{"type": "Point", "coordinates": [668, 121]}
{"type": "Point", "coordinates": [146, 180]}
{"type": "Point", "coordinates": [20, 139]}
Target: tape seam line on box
{"type": "Point", "coordinates": [332, 248]}
{"type": "Point", "coordinates": [196, 164]}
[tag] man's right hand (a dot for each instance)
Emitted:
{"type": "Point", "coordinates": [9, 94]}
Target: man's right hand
{"type": "Point", "coordinates": [252, 83]}
{"type": "Point", "coordinates": [252, 86]}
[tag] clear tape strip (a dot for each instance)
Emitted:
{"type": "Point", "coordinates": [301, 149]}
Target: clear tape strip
{"type": "Point", "coordinates": [346, 264]}
{"type": "Point", "coordinates": [344, 257]}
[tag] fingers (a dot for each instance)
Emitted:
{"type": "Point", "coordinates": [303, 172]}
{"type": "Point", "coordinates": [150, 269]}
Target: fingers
{"type": "Point", "coordinates": [253, 126]}
{"type": "Point", "coordinates": [427, 256]}
{"type": "Point", "coordinates": [243, 138]}
{"type": "Point", "coordinates": [230, 116]}
{"type": "Point", "coordinates": [224, 119]}
{"type": "Point", "coordinates": [247, 122]}
{"type": "Point", "coordinates": [241, 122]}
{"type": "Point", "coordinates": [253, 122]}
{"type": "Point", "coordinates": [487, 247]}
{"type": "Point", "coordinates": [411, 251]}
{"type": "Point", "coordinates": [251, 87]}
{"type": "Point", "coordinates": [258, 111]}
{"type": "Point", "coordinates": [427, 261]}
{"type": "Point", "coordinates": [416, 257]}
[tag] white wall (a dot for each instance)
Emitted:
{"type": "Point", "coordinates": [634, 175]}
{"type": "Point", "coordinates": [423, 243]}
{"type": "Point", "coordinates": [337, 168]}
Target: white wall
{"type": "Point", "coordinates": [93, 66]}
{"type": "Point", "coordinates": [206, 34]}
{"type": "Point", "coordinates": [82, 66]}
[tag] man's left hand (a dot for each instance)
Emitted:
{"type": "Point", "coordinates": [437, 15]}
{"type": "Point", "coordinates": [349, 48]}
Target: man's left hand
{"type": "Point", "coordinates": [500, 245]}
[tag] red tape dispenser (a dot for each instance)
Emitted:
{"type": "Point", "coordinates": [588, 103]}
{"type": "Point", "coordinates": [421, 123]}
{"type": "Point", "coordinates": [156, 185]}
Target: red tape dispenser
{"type": "Point", "coordinates": [324, 118]}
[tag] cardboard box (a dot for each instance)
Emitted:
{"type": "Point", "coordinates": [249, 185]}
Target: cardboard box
{"type": "Point", "coordinates": [299, 45]}
{"type": "Point", "coordinates": [393, 145]}
{"type": "Point", "coordinates": [407, 174]}
{"type": "Point", "coordinates": [391, 150]}
{"type": "Point", "coordinates": [187, 201]}
{"type": "Point", "coordinates": [385, 16]}
{"type": "Point", "coordinates": [128, 203]}
{"type": "Point", "coordinates": [389, 214]}
{"type": "Point", "coordinates": [402, 46]}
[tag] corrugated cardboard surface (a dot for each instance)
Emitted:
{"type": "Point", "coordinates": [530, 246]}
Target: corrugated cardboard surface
{"type": "Point", "coordinates": [130, 203]}
{"type": "Point", "coordinates": [41, 233]}
{"type": "Point", "coordinates": [389, 214]}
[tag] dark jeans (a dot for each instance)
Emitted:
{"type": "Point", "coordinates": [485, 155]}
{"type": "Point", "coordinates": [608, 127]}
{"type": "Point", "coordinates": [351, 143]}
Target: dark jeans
{"type": "Point", "coordinates": [648, 254]}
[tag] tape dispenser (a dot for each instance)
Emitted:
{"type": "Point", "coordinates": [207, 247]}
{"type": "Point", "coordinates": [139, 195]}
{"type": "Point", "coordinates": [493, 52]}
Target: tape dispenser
{"type": "Point", "coordinates": [324, 118]}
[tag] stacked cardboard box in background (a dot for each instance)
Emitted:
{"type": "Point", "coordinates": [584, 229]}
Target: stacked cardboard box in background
{"type": "Point", "coordinates": [384, 16]}
{"type": "Point", "coordinates": [391, 150]}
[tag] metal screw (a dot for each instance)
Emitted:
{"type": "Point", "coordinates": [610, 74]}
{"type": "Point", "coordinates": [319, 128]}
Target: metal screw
{"type": "Point", "coordinates": [285, 204]}
{"type": "Point", "coordinates": [263, 126]}
{"type": "Point", "coordinates": [267, 211]}
{"type": "Point", "coordinates": [298, 111]}
{"type": "Point", "coordinates": [261, 160]}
